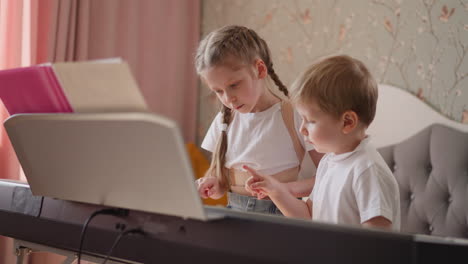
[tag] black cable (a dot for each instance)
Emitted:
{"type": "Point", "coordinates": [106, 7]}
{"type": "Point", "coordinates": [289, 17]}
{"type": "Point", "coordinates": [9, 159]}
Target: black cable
{"type": "Point", "coordinates": [40, 207]}
{"type": "Point", "coordinates": [117, 240]}
{"type": "Point", "coordinates": [116, 212]}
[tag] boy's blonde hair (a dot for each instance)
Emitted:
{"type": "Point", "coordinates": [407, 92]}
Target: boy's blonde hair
{"type": "Point", "coordinates": [338, 84]}
{"type": "Point", "coordinates": [232, 46]}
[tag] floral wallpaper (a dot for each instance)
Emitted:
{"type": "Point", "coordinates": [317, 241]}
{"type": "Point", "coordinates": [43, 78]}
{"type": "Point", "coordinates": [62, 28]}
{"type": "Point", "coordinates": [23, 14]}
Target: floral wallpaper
{"type": "Point", "coordinates": [418, 45]}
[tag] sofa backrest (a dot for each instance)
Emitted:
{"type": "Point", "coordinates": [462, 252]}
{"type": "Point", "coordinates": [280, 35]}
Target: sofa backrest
{"type": "Point", "coordinates": [431, 168]}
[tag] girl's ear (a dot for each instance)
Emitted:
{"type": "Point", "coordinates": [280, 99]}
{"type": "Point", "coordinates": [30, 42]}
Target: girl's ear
{"type": "Point", "coordinates": [261, 68]}
{"type": "Point", "coordinates": [350, 121]}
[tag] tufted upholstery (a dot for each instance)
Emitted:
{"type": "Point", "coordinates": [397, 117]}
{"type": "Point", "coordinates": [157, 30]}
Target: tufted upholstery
{"type": "Point", "coordinates": [431, 168]}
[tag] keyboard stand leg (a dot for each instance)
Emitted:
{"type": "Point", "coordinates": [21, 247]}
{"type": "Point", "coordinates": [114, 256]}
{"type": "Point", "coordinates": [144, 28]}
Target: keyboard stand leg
{"type": "Point", "coordinates": [70, 259]}
{"type": "Point", "coordinates": [24, 248]}
{"type": "Point", "coordinates": [21, 253]}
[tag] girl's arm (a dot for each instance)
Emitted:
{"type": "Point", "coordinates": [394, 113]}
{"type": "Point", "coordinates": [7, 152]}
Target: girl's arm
{"type": "Point", "coordinates": [208, 186]}
{"type": "Point", "coordinates": [316, 157]}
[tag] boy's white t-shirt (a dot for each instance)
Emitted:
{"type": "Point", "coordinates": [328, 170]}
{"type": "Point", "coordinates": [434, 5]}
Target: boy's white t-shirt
{"type": "Point", "coordinates": [260, 140]}
{"type": "Point", "coordinates": [353, 187]}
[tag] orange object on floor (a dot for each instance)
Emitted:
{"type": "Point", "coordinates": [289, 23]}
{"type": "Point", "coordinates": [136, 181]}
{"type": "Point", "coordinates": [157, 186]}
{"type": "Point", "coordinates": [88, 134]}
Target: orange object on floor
{"type": "Point", "coordinates": [200, 165]}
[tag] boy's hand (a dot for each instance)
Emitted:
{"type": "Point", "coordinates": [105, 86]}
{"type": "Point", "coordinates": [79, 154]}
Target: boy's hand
{"type": "Point", "coordinates": [262, 185]}
{"type": "Point", "coordinates": [255, 192]}
{"type": "Point", "coordinates": [208, 187]}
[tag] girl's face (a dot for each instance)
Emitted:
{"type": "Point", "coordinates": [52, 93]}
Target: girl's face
{"type": "Point", "coordinates": [238, 89]}
{"type": "Point", "coordinates": [321, 129]}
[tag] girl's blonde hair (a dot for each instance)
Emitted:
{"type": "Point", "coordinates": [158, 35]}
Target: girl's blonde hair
{"type": "Point", "coordinates": [338, 84]}
{"type": "Point", "coordinates": [224, 47]}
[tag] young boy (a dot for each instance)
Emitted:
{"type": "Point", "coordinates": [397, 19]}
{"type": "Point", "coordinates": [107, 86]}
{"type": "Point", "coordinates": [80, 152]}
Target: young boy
{"type": "Point", "coordinates": [336, 98]}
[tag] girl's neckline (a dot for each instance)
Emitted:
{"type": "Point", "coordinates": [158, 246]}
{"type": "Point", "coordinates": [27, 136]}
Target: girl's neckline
{"type": "Point", "coordinates": [270, 109]}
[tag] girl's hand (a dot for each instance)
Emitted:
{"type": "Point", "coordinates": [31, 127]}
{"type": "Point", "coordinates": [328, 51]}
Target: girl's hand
{"type": "Point", "coordinates": [263, 185]}
{"type": "Point", "coordinates": [208, 187]}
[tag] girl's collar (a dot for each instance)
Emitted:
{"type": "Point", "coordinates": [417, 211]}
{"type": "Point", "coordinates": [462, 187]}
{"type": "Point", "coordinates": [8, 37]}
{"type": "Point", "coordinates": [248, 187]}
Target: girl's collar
{"type": "Point", "coordinates": [270, 109]}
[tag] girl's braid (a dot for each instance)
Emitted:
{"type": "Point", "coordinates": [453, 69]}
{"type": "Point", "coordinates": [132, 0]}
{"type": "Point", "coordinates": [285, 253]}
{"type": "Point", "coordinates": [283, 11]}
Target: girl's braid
{"type": "Point", "coordinates": [264, 53]}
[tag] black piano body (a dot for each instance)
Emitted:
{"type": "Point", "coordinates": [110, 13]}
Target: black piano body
{"type": "Point", "coordinates": [236, 238]}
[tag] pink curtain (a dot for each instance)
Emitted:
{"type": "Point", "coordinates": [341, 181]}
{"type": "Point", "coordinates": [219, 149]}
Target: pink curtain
{"type": "Point", "coordinates": [14, 40]}
{"type": "Point", "coordinates": [10, 37]}
{"type": "Point", "coordinates": [156, 37]}
{"type": "Point", "coordinates": [9, 169]}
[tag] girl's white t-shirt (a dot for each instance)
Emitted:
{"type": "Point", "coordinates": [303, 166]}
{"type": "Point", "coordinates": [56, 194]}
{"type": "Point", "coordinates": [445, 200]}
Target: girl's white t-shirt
{"type": "Point", "coordinates": [354, 187]}
{"type": "Point", "coordinates": [260, 140]}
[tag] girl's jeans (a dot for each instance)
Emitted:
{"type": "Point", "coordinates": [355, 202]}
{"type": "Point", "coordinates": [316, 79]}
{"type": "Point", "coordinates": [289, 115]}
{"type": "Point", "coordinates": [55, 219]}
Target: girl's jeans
{"type": "Point", "coordinates": [251, 204]}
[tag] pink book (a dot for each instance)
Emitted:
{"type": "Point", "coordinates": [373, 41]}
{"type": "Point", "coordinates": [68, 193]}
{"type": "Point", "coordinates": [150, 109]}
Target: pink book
{"type": "Point", "coordinates": [90, 86]}
{"type": "Point", "coordinates": [32, 89]}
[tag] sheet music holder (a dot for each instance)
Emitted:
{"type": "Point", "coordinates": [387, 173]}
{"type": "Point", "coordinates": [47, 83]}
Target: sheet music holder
{"type": "Point", "coordinates": [126, 160]}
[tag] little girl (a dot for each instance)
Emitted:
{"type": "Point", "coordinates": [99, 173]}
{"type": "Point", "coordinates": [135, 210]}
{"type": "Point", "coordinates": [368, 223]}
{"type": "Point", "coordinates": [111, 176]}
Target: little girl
{"type": "Point", "coordinates": [255, 127]}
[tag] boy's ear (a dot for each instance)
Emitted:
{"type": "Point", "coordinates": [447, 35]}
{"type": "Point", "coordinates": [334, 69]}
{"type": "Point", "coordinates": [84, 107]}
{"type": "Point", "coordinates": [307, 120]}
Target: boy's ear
{"type": "Point", "coordinates": [350, 121]}
{"type": "Point", "coordinates": [262, 70]}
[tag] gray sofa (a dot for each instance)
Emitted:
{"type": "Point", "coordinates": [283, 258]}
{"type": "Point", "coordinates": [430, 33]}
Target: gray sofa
{"type": "Point", "coordinates": [431, 168]}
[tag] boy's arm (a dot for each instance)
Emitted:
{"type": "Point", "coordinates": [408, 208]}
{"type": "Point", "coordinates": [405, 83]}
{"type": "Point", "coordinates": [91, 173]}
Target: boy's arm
{"type": "Point", "coordinates": [279, 194]}
{"type": "Point", "coordinates": [301, 188]}
{"type": "Point", "coordinates": [290, 206]}
{"type": "Point", "coordinates": [375, 190]}
{"type": "Point", "coordinates": [378, 222]}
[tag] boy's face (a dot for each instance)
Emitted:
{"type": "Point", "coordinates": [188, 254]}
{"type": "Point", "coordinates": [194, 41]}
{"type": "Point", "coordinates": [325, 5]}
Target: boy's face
{"type": "Point", "coordinates": [321, 129]}
{"type": "Point", "coordinates": [237, 89]}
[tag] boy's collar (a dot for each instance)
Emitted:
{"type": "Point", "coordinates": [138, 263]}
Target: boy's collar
{"type": "Point", "coordinates": [343, 156]}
